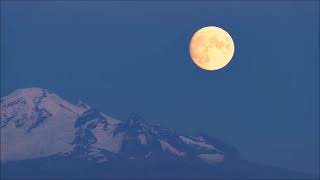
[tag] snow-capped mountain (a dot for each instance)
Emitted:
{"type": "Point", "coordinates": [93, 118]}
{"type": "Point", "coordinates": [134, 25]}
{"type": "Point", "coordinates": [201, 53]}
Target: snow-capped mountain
{"type": "Point", "coordinates": [38, 123]}
{"type": "Point", "coordinates": [39, 129]}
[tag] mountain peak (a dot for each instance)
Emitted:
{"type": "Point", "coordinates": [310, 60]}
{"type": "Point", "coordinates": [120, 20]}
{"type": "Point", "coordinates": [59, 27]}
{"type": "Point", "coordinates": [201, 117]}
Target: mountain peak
{"type": "Point", "coordinates": [27, 93]}
{"type": "Point", "coordinates": [32, 115]}
{"type": "Point", "coordinates": [32, 106]}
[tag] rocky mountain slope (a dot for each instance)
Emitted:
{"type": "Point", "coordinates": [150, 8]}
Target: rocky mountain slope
{"type": "Point", "coordinates": [41, 133]}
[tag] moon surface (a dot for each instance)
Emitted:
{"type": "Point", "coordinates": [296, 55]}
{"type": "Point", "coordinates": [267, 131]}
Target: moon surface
{"type": "Point", "coordinates": [211, 48]}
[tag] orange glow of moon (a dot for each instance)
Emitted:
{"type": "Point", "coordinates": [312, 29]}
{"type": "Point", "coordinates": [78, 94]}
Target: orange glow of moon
{"type": "Point", "coordinates": [211, 48]}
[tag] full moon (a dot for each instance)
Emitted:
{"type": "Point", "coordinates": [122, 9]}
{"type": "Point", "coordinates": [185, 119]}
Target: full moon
{"type": "Point", "coordinates": [211, 48]}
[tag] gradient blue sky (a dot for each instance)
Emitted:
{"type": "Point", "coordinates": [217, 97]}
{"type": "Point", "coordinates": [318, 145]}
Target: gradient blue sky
{"type": "Point", "coordinates": [133, 57]}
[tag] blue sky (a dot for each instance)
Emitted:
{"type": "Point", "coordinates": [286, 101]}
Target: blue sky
{"type": "Point", "coordinates": [133, 57]}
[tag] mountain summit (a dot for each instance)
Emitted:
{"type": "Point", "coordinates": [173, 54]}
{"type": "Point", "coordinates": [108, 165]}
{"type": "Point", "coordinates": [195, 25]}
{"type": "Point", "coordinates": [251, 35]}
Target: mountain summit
{"type": "Point", "coordinates": [43, 131]}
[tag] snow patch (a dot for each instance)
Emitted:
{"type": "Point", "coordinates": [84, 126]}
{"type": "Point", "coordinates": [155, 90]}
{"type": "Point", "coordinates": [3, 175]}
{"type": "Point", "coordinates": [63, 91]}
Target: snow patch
{"type": "Point", "coordinates": [148, 155]}
{"type": "Point", "coordinates": [142, 138]}
{"type": "Point", "coordinates": [167, 147]}
{"type": "Point", "coordinates": [201, 143]}
{"type": "Point", "coordinates": [95, 154]}
{"type": "Point", "coordinates": [212, 158]}
{"type": "Point", "coordinates": [110, 120]}
{"type": "Point", "coordinates": [47, 139]}
{"type": "Point", "coordinates": [106, 139]}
